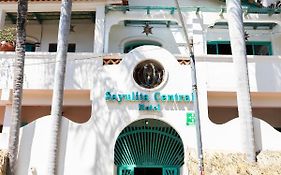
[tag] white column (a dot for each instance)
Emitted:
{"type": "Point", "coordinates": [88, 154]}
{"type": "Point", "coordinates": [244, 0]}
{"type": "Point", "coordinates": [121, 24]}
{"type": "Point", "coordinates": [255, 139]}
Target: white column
{"type": "Point", "coordinates": [179, 38]}
{"type": "Point", "coordinates": [99, 30]}
{"type": "Point", "coordinates": [198, 35]}
{"type": "Point", "coordinates": [7, 119]}
{"type": "Point", "coordinates": [2, 18]}
{"type": "Point", "coordinates": [265, 3]}
{"type": "Point", "coordinates": [4, 139]}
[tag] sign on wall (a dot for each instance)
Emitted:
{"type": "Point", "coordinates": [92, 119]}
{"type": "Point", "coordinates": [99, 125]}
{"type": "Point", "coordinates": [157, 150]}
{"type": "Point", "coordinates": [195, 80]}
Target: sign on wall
{"type": "Point", "coordinates": [143, 99]}
{"type": "Point", "coordinates": [190, 118]}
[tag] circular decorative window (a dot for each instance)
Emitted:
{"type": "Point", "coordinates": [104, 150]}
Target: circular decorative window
{"type": "Point", "coordinates": [149, 74]}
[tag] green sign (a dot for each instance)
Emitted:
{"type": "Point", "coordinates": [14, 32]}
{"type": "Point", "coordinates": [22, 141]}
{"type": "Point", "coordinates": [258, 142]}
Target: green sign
{"type": "Point", "coordinates": [190, 118]}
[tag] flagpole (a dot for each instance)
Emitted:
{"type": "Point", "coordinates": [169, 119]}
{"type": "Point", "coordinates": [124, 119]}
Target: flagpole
{"type": "Point", "coordinates": [194, 93]}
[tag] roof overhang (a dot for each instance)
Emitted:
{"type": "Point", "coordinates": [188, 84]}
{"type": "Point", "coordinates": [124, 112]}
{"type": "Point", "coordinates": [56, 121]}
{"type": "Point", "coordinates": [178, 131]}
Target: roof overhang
{"type": "Point", "coordinates": [40, 17]}
{"type": "Point", "coordinates": [255, 25]}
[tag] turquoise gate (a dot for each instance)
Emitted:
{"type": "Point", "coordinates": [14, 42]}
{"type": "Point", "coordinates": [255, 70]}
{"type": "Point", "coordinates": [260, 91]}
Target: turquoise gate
{"type": "Point", "coordinates": [148, 143]}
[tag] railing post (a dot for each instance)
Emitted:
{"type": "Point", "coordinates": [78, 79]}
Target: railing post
{"type": "Point", "coordinates": [99, 30]}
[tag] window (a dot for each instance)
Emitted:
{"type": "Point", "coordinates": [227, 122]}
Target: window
{"type": "Point", "coordinates": [134, 44]}
{"type": "Point", "coordinates": [30, 47]}
{"type": "Point", "coordinates": [149, 74]}
{"type": "Point", "coordinates": [53, 47]}
{"type": "Point", "coordinates": [252, 48]}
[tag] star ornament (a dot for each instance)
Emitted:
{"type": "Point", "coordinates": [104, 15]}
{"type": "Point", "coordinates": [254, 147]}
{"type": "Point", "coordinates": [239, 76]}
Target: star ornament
{"type": "Point", "coordinates": [71, 29]}
{"type": "Point", "coordinates": [147, 29]}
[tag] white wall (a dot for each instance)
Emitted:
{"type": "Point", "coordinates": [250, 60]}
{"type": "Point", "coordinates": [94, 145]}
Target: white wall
{"type": "Point", "coordinates": [40, 67]}
{"type": "Point", "coordinates": [276, 38]}
{"type": "Point", "coordinates": [87, 147]}
{"type": "Point", "coordinates": [264, 73]}
{"type": "Point", "coordinates": [83, 36]}
{"type": "Point", "coordinates": [119, 34]}
{"type": "Point", "coordinates": [223, 35]}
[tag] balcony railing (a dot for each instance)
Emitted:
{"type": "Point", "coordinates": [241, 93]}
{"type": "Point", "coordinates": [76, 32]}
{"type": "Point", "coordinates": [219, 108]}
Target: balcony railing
{"type": "Point", "coordinates": [171, 10]}
{"type": "Point", "coordinates": [264, 71]}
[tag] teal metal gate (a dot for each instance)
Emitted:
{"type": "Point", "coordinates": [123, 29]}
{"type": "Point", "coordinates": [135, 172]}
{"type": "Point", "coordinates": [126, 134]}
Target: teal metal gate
{"type": "Point", "coordinates": [129, 170]}
{"type": "Point", "coordinates": [171, 171]}
{"type": "Point", "coordinates": [125, 170]}
{"type": "Point", "coordinates": [149, 143]}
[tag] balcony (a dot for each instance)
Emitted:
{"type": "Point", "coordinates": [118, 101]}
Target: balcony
{"type": "Point", "coordinates": [219, 74]}
{"type": "Point", "coordinates": [214, 70]}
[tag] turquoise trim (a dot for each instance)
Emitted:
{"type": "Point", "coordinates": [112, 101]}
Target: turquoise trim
{"type": "Point", "coordinates": [252, 43]}
{"type": "Point", "coordinates": [247, 3]}
{"type": "Point", "coordinates": [137, 43]}
{"type": "Point", "coordinates": [150, 130]}
{"type": "Point", "coordinates": [148, 9]}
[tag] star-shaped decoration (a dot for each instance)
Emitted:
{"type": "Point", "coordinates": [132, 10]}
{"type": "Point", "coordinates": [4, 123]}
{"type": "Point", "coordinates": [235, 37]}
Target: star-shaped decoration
{"type": "Point", "coordinates": [147, 29]}
{"type": "Point", "coordinates": [246, 35]}
{"type": "Point", "coordinates": [71, 29]}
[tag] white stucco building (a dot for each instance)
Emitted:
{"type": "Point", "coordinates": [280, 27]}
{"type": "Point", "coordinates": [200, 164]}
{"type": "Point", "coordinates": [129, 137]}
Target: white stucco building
{"type": "Point", "coordinates": [119, 116]}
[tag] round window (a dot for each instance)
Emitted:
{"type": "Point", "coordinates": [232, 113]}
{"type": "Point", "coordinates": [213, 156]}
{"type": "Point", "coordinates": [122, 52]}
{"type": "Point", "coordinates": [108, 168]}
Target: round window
{"type": "Point", "coordinates": [149, 74]}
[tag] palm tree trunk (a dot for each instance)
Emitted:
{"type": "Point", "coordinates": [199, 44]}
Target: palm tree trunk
{"type": "Point", "coordinates": [57, 101]}
{"type": "Point", "coordinates": [18, 85]}
{"type": "Point", "coordinates": [238, 47]}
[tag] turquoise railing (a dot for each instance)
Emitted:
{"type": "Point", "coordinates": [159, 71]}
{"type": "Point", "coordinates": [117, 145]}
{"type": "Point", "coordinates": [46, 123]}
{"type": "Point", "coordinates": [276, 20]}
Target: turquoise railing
{"type": "Point", "coordinates": [171, 10]}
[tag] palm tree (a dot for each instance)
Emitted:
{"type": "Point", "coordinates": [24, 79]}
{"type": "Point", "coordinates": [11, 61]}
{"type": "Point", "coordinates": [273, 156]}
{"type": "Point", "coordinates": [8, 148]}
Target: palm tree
{"type": "Point", "coordinates": [57, 100]}
{"type": "Point", "coordinates": [238, 47]}
{"type": "Point", "coordinates": [18, 84]}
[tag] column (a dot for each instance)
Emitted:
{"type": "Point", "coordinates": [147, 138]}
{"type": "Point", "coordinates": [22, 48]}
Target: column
{"type": "Point", "coordinates": [198, 35]}
{"type": "Point", "coordinates": [99, 30]}
{"type": "Point", "coordinates": [2, 18]}
{"type": "Point", "coordinates": [265, 3]}
{"type": "Point", "coordinates": [7, 119]}
{"type": "Point", "coordinates": [180, 41]}
{"type": "Point", "coordinates": [4, 139]}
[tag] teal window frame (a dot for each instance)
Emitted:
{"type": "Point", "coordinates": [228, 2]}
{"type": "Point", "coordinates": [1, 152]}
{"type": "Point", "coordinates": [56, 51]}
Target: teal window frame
{"type": "Point", "coordinates": [134, 44]}
{"type": "Point", "coordinates": [248, 43]}
{"type": "Point", "coordinates": [30, 47]}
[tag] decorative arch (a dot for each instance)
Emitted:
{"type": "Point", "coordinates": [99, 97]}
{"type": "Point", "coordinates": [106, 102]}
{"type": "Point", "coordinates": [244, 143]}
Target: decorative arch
{"type": "Point", "coordinates": [148, 144]}
{"type": "Point", "coordinates": [137, 43]}
{"type": "Point", "coordinates": [31, 39]}
{"type": "Point", "coordinates": [134, 42]}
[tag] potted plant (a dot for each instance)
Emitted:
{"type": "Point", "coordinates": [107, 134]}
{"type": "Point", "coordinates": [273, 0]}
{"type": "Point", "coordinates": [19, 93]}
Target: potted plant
{"type": "Point", "coordinates": [7, 39]}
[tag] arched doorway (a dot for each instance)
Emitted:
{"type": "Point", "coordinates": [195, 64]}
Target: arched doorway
{"type": "Point", "coordinates": [148, 147]}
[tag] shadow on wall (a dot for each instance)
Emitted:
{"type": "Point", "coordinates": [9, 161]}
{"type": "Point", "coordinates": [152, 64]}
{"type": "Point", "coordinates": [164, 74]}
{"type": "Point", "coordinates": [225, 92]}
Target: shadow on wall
{"type": "Point", "coordinates": [49, 71]}
{"type": "Point", "coordinates": [106, 123]}
{"type": "Point", "coordinates": [221, 115]}
{"type": "Point", "coordinates": [265, 119]}
{"type": "Point", "coordinates": [78, 114]}
{"type": "Point", "coordinates": [25, 148]}
{"type": "Point", "coordinates": [6, 73]}
{"type": "Point", "coordinates": [79, 72]}
{"type": "Point", "coordinates": [34, 145]}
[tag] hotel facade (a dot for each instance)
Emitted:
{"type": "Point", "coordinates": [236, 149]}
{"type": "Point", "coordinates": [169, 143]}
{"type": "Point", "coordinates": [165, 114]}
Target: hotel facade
{"type": "Point", "coordinates": [128, 103]}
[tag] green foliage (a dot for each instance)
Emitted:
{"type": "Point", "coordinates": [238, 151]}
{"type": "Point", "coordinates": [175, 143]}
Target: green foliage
{"type": "Point", "coordinates": [8, 34]}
